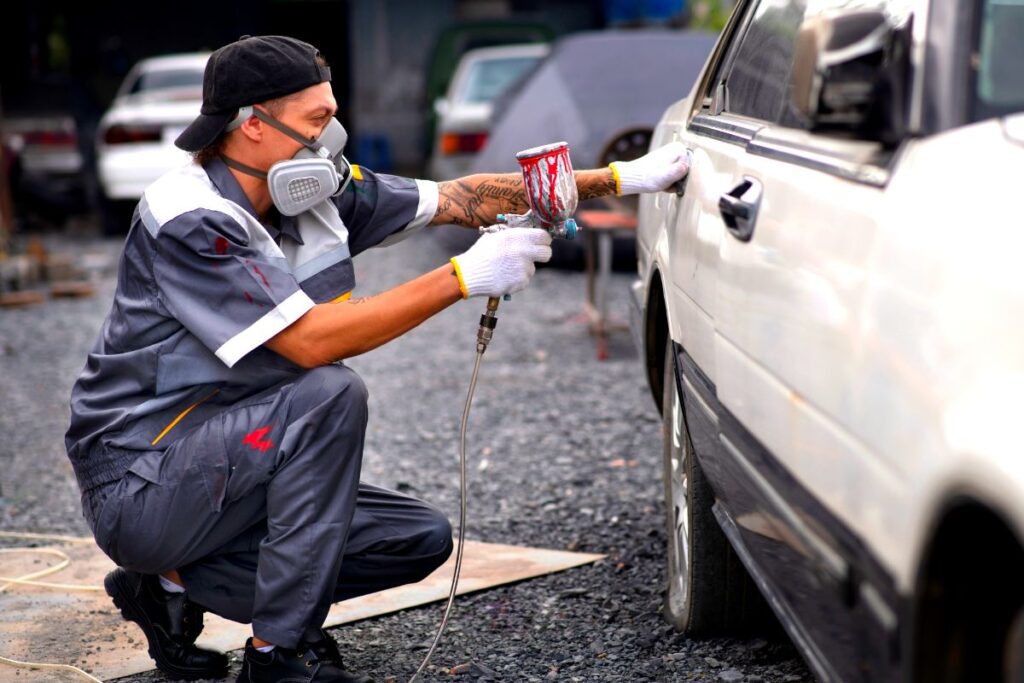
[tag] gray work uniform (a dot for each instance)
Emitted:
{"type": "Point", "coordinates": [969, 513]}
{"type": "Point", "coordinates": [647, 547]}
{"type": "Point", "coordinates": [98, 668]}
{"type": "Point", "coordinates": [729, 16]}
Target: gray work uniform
{"type": "Point", "coordinates": [198, 449]}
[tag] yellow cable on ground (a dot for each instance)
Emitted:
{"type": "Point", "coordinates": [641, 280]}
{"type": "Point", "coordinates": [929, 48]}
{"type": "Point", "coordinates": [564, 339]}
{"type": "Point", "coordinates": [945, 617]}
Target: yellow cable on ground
{"type": "Point", "coordinates": [27, 580]}
{"type": "Point", "coordinates": [35, 665]}
{"type": "Point", "coordinates": [27, 535]}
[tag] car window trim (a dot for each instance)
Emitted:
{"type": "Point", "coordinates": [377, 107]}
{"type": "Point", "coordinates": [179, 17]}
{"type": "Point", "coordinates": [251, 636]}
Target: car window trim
{"type": "Point", "coordinates": [766, 145]}
{"type": "Point", "coordinates": [722, 54]}
{"type": "Point", "coordinates": [726, 127]}
{"type": "Point", "coordinates": [761, 138]}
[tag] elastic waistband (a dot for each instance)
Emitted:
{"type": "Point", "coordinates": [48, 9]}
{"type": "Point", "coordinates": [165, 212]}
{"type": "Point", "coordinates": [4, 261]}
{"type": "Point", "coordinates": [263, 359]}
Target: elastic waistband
{"type": "Point", "coordinates": [101, 466]}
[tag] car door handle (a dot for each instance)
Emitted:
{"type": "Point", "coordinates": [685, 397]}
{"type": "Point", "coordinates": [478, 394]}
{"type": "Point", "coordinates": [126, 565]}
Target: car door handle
{"type": "Point", "coordinates": [679, 187]}
{"type": "Point", "coordinates": [739, 206]}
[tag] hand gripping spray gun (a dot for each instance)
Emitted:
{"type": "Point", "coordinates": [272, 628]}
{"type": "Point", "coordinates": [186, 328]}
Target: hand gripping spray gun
{"type": "Point", "coordinates": [551, 193]}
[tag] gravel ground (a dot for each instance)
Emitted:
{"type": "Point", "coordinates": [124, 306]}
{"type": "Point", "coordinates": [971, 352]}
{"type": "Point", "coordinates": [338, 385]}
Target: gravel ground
{"type": "Point", "coordinates": [564, 453]}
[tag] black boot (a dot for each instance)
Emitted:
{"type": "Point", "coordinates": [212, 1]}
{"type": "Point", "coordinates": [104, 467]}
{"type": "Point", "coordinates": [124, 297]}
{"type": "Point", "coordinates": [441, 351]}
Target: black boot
{"type": "Point", "coordinates": [171, 623]}
{"type": "Point", "coordinates": [316, 660]}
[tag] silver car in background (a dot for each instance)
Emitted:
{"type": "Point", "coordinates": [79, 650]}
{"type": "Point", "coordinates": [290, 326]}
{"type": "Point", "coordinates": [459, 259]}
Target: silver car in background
{"type": "Point", "coordinates": [464, 114]}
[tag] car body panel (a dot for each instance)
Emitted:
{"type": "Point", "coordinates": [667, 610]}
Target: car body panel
{"type": "Point", "coordinates": [853, 367]}
{"type": "Point", "coordinates": [945, 361]}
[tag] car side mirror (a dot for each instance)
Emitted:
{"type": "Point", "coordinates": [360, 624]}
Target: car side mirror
{"type": "Point", "coordinates": [441, 106]}
{"type": "Point", "coordinates": [851, 75]}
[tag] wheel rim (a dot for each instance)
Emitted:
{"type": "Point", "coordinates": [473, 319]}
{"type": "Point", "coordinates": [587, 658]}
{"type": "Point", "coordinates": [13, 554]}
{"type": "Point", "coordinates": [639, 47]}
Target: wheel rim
{"type": "Point", "coordinates": [680, 552]}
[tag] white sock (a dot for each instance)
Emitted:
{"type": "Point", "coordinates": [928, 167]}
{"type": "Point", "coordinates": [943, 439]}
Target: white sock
{"type": "Point", "coordinates": [170, 586]}
{"type": "Point", "coordinates": [266, 648]}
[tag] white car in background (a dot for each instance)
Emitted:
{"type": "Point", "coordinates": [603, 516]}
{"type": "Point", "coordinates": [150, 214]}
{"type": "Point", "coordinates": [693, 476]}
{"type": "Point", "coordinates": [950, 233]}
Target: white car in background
{"type": "Point", "coordinates": [464, 114]}
{"type": "Point", "coordinates": [831, 316]}
{"type": "Point", "coordinates": [159, 97]}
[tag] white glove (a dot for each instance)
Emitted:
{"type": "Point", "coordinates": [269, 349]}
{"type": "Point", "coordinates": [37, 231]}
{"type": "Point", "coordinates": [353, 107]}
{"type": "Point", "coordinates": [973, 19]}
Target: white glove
{"type": "Point", "coordinates": [654, 171]}
{"type": "Point", "coordinates": [501, 262]}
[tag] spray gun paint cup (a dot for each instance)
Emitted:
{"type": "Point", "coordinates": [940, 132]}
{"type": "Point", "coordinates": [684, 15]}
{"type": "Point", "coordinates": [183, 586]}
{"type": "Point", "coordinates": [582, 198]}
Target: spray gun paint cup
{"type": "Point", "coordinates": [550, 188]}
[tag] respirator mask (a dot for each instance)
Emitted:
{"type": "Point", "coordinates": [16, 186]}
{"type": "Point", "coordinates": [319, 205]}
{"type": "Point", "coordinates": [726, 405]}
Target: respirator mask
{"type": "Point", "coordinates": [316, 173]}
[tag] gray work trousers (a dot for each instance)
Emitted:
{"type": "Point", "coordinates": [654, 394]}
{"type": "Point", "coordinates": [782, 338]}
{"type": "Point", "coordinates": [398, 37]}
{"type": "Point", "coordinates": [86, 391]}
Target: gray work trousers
{"type": "Point", "coordinates": [261, 511]}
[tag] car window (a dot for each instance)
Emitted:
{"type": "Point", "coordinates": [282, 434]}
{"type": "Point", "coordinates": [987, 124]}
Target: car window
{"type": "Point", "coordinates": [757, 82]}
{"type": "Point", "coordinates": [999, 59]}
{"type": "Point", "coordinates": [489, 78]}
{"type": "Point", "coordinates": [166, 79]}
{"type": "Point", "coordinates": [757, 74]}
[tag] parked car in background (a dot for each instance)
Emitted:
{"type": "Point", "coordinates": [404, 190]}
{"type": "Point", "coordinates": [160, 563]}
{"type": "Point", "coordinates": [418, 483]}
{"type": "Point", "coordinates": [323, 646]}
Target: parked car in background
{"type": "Point", "coordinates": [47, 175]}
{"type": "Point", "coordinates": [829, 320]}
{"type": "Point", "coordinates": [47, 143]}
{"type": "Point", "coordinates": [460, 37]}
{"type": "Point", "coordinates": [464, 113]}
{"type": "Point", "coordinates": [602, 92]}
{"type": "Point", "coordinates": [159, 97]}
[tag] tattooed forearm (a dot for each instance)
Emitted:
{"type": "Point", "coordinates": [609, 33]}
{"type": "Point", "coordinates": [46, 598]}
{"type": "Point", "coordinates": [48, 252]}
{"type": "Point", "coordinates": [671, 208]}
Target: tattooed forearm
{"type": "Point", "coordinates": [597, 183]}
{"type": "Point", "coordinates": [478, 199]}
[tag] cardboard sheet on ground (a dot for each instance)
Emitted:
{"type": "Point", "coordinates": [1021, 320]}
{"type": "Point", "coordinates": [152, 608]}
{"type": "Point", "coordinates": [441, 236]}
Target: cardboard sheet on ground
{"type": "Point", "coordinates": [86, 630]}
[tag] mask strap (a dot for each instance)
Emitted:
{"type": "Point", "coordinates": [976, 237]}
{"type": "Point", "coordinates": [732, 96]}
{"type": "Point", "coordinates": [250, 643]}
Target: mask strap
{"type": "Point", "coordinates": [290, 132]}
{"type": "Point", "coordinates": [347, 178]}
{"type": "Point", "coordinates": [242, 168]}
{"type": "Point", "coordinates": [245, 112]}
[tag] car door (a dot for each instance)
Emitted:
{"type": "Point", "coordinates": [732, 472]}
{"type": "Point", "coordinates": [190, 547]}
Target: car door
{"type": "Point", "coordinates": [694, 233]}
{"type": "Point", "coordinates": [767, 321]}
{"type": "Point", "coordinates": [801, 218]}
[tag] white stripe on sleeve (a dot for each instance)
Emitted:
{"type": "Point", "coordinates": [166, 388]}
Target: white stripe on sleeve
{"type": "Point", "coordinates": [426, 207]}
{"type": "Point", "coordinates": [283, 315]}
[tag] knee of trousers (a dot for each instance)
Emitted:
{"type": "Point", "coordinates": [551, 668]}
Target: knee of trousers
{"type": "Point", "coordinates": [435, 546]}
{"type": "Point", "coordinates": [335, 386]}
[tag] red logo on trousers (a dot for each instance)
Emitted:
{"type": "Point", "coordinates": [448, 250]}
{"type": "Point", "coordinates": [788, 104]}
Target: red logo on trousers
{"type": "Point", "coordinates": [256, 441]}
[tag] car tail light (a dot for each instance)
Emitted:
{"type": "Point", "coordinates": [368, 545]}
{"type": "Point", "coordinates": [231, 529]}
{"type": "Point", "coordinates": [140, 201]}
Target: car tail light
{"type": "Point", "coordinates": [49, 138]}
{"type": "Point", "coordinates": [119, 135]}
{"type": "Point", "coordinates": [462, 143]}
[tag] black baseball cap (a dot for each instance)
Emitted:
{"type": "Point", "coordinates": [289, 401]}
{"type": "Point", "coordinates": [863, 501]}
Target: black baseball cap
{"type": "Point", "coordinates": [250, 70]}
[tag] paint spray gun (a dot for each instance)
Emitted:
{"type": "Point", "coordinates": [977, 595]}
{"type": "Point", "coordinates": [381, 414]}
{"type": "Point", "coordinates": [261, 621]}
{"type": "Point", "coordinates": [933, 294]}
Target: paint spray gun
{"type": "Point", "coordinates": [550, 188]}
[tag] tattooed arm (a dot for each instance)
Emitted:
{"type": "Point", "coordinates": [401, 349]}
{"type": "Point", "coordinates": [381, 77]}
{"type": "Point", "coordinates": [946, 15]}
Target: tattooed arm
{"type": "Point", "coordinates": [478, 199]}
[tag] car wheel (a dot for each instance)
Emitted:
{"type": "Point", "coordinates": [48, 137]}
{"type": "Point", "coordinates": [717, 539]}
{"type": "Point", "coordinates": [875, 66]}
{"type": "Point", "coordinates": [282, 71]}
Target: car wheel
{"type": "Point", "coordinates": [709, 590]}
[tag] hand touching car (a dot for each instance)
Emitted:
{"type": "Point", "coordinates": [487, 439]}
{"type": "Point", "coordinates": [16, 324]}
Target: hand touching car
{"type": "Point", "coordinates": [657, 170]}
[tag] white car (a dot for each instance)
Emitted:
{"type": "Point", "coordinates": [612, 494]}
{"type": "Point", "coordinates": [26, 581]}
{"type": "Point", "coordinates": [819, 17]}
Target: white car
{"type": "Point", "coordinates": [159, 97]}
{"type": "Point", "coordinates": [464, 114]}
{"type": "Point", "coordinates": [827, 312]}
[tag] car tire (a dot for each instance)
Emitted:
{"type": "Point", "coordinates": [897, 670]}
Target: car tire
{"type": "Point", "coordinates": [709, 590]}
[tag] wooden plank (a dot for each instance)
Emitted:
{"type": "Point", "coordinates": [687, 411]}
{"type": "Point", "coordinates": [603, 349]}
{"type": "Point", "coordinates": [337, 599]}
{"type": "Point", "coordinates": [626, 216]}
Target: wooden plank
{"type": "Point", "coordinates": [72, 289]}
{"type": "Point", "coordinates": [84, 628]}
{"type": "Point", "coordinates": [27, 297]}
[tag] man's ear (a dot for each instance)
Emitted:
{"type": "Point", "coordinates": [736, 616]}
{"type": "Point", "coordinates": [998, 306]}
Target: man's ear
{"type": "Point", "coordinates": [252, 128]}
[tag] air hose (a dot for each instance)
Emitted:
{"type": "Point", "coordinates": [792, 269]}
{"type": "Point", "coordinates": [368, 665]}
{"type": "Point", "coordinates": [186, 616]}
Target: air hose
{"type": "Point", "coordinates": [488, 321]}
